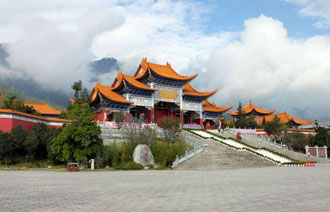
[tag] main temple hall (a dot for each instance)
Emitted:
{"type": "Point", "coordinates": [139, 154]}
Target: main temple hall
{"type": "Point", "coordinates": [156, 91]}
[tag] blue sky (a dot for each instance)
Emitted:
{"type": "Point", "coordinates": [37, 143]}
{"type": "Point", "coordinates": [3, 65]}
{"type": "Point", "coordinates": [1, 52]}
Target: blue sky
{"type": "Point", "coordinates": [229, 15]}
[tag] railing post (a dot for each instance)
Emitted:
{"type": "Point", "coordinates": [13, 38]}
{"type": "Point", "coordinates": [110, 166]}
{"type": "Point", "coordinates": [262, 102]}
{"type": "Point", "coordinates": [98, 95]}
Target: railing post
{"type": "Point", "coordinates": [195, 147]}
{"type": "Point", "coordinates": [326, 152]}
{"type": "Point", "coordinates": [317, 151]}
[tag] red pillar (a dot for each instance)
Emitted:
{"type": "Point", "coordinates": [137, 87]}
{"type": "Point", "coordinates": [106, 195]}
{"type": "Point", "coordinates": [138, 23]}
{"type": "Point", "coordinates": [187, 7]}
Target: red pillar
{"type": "Point", "coordinates": [150, 115]}
{"type": "Point", "coordinates": [180, 116]}
{"type": "Point", "coordinates": [200, 121]}
{"type": "Point", "coordinates": [127, 117]}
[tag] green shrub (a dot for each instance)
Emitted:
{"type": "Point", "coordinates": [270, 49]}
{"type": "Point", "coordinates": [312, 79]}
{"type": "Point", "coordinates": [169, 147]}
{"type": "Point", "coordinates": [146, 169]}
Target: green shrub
{"type": "Point", "coordinates": [178, 148]}
{"type": "Point", "coordinates": [161, 167]}
{"type": "Point", "coordinates": [165, 153]}
{"type": "Point", "coordinates": [114, 154]}
{"type": "Point", "coordinates": [131, 165]}
{"type": "Point", "coordinates": [160, 150]}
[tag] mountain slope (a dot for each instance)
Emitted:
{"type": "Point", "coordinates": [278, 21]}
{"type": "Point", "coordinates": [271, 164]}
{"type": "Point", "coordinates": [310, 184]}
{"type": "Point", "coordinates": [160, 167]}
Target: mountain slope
{"type": "Point", "coordinates": [11, 91]}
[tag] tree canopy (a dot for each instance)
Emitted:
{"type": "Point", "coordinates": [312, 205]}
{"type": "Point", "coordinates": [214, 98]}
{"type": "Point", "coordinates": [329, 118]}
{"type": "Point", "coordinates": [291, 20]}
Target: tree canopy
{"type": "Point", "coordinates": [242, 121]}
{"type": "Point", "coordinates": [80, 139]}
{"type": "Point", "coordinates": [13, 103]}
{"type": "Point", "coordinates": [274, 127]}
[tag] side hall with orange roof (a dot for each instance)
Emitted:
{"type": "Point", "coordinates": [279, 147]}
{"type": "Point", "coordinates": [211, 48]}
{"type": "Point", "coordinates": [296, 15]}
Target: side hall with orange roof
{"type": "Point", "coordinates": [252, 109]}
{"type": "Point", "coordinates": [285, 118]}
{"type": "Point", "coordinates": [9, 119]}
{"type": "Point", "coordinates": [44, 109]}
{"type": "Point", "coordinates": [155, 91]}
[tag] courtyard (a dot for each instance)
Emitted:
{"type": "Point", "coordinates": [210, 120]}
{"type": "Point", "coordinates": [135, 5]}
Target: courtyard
{"type": "Point", "coordinates": [252, 189]}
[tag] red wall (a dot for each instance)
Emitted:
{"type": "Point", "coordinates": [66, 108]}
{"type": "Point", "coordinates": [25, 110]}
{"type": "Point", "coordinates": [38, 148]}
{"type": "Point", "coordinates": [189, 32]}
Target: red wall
{"type": "Point", "coordinates": [99, 116]}
{"type": "Point", "coordinates": [26, 125]}
{"type": "Point", "coordinates": [7, 124]}
{"type": "Point", "coordinates": [159, 114]}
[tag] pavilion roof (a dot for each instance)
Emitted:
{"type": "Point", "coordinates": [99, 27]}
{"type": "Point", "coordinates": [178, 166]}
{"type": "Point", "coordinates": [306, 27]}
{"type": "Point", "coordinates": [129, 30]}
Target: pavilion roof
{"type": "Point", "coordinates": [250, 108]}
{"type": "Point", "coordinates": [165, 71]}
{"type": "Point", "coordinates": [43, 108]}
{"type": "Point", "coordinates": [108, 93]}
{"type": "Point", "coordinates": [208, 106]}
{"type": "Point", "coordinates": [119, 81]}
{"type": "Point", "coordinates": [189, 90]}
{"type": "Point", "coordinates": [33, 116]}
{"type": "Point", "coordinates": [284, 117]}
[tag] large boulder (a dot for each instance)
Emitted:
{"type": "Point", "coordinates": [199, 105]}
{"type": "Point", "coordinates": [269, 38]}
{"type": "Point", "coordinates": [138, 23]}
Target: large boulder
{"type": "Point", "coordinates": [143, 155]}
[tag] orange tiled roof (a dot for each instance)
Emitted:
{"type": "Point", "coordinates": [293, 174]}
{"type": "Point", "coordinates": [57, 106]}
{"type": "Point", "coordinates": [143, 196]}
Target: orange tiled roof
{"type": "Point", "coordinates": [131, 80]}
{"type": "Point", "coordinates": [33, 116]}
{"type": "Point", "coordinates": [249, 108]}
{"type": "Point", "coordinates": [290, 129]}
{"type": "Point", "coordinates": [107, 92]}
{"type": "Point", "coordinates": [43, 108]}
{"type": "Point", "coordinates": [207, 106]}
{"type": "Point", "coordinates": [189, 90]}
{"type": "Point", "coordinates": [284, 117]}
{"type": "Point", "coordinates": [161, 70]}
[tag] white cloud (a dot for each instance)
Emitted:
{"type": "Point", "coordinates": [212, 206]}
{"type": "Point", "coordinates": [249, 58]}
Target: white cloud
{"type": "Point", "coordinates": [53, 41]}
{"type": "Point", "coordinates": [56, 39]}
{"type": "Point", "coordinates": [52, 45]}
{"type": "Point", "coordinates": [162, 31]}
{"type": "Point", "coordinates": [273, 70]}
{"type": "Point", "coordinates": [315, 8]}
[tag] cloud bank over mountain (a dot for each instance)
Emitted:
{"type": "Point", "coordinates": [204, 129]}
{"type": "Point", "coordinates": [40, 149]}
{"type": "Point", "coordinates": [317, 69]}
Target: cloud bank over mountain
{"type": "Point", "coordinates": [273, 70]}
{"type": "Point", "coordinates": [54, 42]}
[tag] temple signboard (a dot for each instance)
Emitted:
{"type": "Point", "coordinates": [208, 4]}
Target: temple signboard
{"type": "Point", "coordinates": [192, 106]}
{"type": "Point", "coordinates": [168, 95]}
{"type": "Point", "coordinates": [141, 101]}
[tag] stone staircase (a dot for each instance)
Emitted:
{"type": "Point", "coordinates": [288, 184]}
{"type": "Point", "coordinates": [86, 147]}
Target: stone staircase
{"type": "Point", "coordinates": [253, 140]}
{"type": "Point", "coordinates": [220, 154]}
{"type": "Point", "coordinates": [219, 157]}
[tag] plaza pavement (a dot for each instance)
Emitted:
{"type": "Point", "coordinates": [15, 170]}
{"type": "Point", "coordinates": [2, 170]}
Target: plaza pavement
{"type": "Point", "coordinates": [250, 189]}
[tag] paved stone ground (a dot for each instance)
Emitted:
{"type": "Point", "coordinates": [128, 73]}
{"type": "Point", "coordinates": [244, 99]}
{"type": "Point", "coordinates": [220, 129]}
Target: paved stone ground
{"type": "Point", "coordinates": [254, 189]}
{"type": "Point", "coordinates": [218, 157]}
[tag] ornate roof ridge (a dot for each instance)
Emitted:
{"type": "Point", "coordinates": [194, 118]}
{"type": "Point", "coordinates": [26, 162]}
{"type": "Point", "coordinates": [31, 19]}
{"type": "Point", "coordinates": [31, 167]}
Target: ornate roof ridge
{"type": "Point", "coordinates": [284, 117]}
{"type": "Point", "coordinates": [208, 106]}
{"type": "Point", "coordinates": [249, 108]}
{"type": "Point", "coordinates": [189, 90]}
{"type": "Point", "coordinates": [162, 70]}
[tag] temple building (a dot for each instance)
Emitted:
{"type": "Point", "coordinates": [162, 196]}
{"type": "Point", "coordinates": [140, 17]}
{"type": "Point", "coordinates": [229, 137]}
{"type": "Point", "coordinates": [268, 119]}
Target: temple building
{"type": "Point", "coordinates": [251, 109]}
{"type": "Point", "coordinates": [285, 118]}
{"type": "Point", "coordinates": [154, 92]}
{"type": "Point", "coordinates": [44, 109]}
